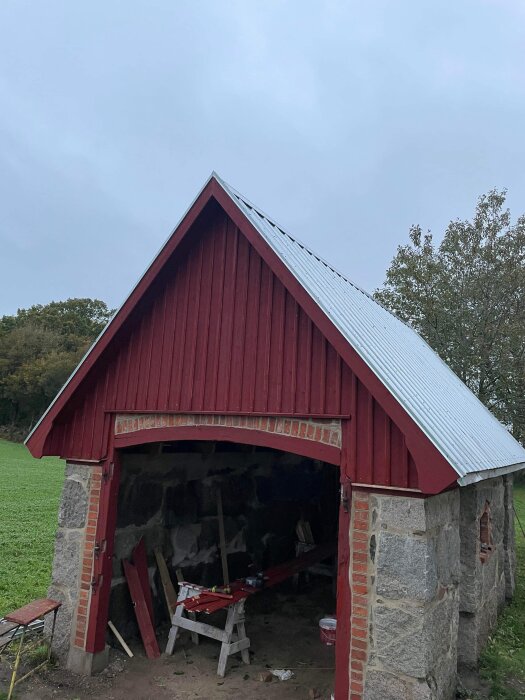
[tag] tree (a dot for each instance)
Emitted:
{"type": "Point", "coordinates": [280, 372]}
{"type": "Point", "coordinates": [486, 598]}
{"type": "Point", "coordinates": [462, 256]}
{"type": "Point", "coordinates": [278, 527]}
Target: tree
{"type": "Point", "coordinates": [466, 297]}
{"type": "Point", "coordinates": [39, 348]}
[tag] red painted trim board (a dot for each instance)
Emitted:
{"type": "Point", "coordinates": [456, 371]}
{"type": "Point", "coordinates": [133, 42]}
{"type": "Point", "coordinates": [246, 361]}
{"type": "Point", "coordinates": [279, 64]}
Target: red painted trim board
{"type": "Point", "coordinates": [141, 610]}
{"type": "Point", "coordinates": [105, 536]}
{"type": "Point", "coordinates": [140, 561]}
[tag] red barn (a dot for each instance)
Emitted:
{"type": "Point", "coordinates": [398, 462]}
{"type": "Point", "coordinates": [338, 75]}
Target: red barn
{"type": "Point", "coordinates": [243, 359]}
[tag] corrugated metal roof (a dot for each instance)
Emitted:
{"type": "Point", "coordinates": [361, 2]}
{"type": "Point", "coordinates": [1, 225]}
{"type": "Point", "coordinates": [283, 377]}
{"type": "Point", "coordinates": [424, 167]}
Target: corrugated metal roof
{"type": "Point", "coordinates": [472, 440]}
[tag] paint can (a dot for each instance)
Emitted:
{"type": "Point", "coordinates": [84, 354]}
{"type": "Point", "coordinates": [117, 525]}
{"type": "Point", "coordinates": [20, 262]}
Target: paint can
{"type": "Point", "coordinates": [327, 630]}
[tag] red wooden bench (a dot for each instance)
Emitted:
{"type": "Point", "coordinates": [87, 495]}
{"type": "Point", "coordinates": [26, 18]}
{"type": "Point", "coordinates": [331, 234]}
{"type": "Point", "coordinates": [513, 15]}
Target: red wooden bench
{"type": "Point", "coordinates": [21, 621]}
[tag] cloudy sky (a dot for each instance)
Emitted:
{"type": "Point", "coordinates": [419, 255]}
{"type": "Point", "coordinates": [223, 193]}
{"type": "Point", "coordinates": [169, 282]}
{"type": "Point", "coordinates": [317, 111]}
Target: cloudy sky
{"type": "Point", "coordinates": [345, 121]}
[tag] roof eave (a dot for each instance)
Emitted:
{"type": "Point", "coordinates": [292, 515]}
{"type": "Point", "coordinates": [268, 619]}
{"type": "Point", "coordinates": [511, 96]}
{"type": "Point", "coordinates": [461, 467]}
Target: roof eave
{"type": "Point", "coordinates": [483, 474]}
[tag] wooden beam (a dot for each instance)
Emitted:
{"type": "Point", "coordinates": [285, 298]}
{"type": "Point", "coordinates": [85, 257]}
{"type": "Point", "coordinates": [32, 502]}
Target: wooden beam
{"type": "Point", "coordinates": [167, 586]}
{"type": "Point", "coordinates": [222, 540]}
{"type": "Point", "coordinates": [140, 560]}
{"type": "Point", "coordinates": [120, 639]}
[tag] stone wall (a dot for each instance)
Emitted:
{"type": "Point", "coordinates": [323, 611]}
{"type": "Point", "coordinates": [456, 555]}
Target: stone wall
{"type": "Point", "coordinates": [413, 597]}
{"type": "Point", "coordinates": [486, 581]}
{"type": "Point", "coordinates": [170, 499]}
{"type": "Point", "coordinates": [69, 545]}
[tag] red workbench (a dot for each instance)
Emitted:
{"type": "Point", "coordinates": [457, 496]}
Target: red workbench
{"type": "Point", "coordinates": [193, 599]}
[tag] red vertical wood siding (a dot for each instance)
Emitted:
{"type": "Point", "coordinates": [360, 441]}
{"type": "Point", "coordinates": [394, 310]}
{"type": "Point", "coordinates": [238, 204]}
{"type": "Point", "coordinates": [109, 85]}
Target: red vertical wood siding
{"type": "Point", "coordinates": [218, 332]}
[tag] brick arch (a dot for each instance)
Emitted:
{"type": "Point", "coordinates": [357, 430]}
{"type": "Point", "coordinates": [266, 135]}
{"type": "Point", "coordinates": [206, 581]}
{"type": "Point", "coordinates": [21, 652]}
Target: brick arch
{"type": "Point", "coordinates": [315, 438]}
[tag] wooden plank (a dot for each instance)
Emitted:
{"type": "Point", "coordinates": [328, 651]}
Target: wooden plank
{"type": "Point", "coordinates": [222, 541]}
{"type": "Point", "coordinates": [140, 560]}
{"type": "Point", "coordinates": [167, 586]}
{"type": "Point", "coordinates": [141, 611]}
{"type": "Point", "coordinates": [202, 628]}
{"type": "Point", "coordinates": [207, 602]}
{"type": "Point", "coordinates": [120, 639]}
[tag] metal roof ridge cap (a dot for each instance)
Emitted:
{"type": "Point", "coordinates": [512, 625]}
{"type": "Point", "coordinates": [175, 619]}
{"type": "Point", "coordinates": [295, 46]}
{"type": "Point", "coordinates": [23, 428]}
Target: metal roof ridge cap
{"type": "Point", "coordinates": [232, 191]}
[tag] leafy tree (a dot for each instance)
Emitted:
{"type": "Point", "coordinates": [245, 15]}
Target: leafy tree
{"type": "Point", "coordinates": [466, 297]}
{"type": "Point", "coordinates": [39, 348]}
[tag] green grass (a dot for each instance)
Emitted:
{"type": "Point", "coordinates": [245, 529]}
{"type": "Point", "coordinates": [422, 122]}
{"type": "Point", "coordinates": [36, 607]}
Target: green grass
{"type": "Point", "coordinates": [503, 661]}
{"type": "Point", "coordinates": [29, 497]}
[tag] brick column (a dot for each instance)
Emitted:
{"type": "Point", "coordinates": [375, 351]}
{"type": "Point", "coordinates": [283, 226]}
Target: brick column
{"type": "Point", "coordinates": [359, 584]}
{"type": "Point", "coordinates": [86, 570]}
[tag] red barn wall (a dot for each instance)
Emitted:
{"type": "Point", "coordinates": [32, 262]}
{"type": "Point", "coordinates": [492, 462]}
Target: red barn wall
{"type": "Point", "coordinates": [218, 332]}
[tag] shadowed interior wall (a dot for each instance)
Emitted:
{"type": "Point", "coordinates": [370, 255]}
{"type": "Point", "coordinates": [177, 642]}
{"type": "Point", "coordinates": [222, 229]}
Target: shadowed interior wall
{"type": "Point", "coordinates": [170, 499]}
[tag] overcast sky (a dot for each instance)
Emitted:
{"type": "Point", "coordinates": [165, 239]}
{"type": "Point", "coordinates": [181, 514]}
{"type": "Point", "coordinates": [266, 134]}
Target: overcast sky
{"type": "Point", "coordinates": [345, 121]}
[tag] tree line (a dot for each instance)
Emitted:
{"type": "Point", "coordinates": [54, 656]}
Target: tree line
{"type": "Point", "coordinates": [39, 348]}
{"type": "Point", "coordinates": [465, 295]}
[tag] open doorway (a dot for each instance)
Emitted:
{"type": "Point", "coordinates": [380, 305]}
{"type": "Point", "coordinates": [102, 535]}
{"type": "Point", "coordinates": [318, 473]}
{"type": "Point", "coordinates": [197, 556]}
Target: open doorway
{"type": "Point", "coordinates": [276, 507]}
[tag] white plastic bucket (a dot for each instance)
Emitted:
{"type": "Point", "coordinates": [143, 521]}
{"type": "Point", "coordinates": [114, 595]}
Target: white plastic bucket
{"type": "Point", "coordinates": [327, 630]}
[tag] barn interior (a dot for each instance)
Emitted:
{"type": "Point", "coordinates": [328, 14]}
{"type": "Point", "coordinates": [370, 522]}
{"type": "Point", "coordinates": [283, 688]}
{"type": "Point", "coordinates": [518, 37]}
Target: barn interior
{"type": "Point", "coordinates": [275, 506]}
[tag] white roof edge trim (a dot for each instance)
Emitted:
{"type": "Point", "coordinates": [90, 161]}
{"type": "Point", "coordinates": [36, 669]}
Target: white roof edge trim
{"type": "Point", "coordinates": [475, 477]}
{"type": "Point", "coordinates": [108, 324]}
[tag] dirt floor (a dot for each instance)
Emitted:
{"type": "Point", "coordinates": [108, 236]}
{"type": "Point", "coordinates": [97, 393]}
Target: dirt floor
{"type": "Point", "coordinates": [284, 633]}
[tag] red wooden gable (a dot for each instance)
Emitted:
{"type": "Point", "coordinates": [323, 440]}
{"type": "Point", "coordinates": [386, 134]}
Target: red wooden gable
{"type": "Point", "coordinates": [213, 327]}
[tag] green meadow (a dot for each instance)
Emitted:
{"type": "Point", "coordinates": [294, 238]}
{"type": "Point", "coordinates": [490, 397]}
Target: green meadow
{"type": "Point", "coordinates": [29, 496]}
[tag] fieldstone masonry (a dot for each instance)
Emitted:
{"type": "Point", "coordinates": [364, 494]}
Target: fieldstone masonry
{"type": "Point", "coordinates": [485, 581]}
{"type": "Point", "coordinates": [425, 597]}
{"type": "Point", "coordinates": [69, 546]}
{"type": "Point", "coordinates": [432, 596]}
{"type": "Point", "coordinates": [413, 597]}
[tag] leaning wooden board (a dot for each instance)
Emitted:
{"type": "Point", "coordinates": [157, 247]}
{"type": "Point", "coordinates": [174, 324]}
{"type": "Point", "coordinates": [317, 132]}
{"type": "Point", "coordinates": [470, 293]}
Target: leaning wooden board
{"type": "Point", "coordinates": [140, 560]}
{"type": "Point", "coordinates": [141, 611]}
{"type": "Point", "coordinates": [167, 585]}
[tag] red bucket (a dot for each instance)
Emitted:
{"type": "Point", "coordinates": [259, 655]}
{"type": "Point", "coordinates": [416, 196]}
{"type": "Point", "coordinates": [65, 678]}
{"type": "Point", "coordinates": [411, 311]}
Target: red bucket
{"type": "Point", "coordinates": [327, 630]}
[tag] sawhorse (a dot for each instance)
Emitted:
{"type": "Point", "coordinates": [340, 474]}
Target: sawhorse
{"type": "Point", "coordinates": [233, 636]}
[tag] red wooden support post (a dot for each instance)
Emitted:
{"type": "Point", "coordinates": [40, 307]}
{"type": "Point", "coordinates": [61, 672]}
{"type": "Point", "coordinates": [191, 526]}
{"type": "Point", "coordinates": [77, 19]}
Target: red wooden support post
{"type": "Point", "coordinates": [103, 563]}
{"type": "Point", "coordinates": [344, 595]}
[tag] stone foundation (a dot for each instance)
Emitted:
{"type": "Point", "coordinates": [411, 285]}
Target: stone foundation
{"type": "Point", "coordinates": [413, 598]}
{"type": "Point", "coordinates": [69, 546]}
{"type": "Point", "coordinates": [428, 576]}
{"type": "Point", "coordinates": [487, 579]}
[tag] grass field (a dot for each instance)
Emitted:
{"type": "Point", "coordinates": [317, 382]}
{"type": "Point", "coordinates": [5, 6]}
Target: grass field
{"type": "Point", "coordinates": [503, 661]}
{"type": "Point", "coordinates": [29, 496]}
